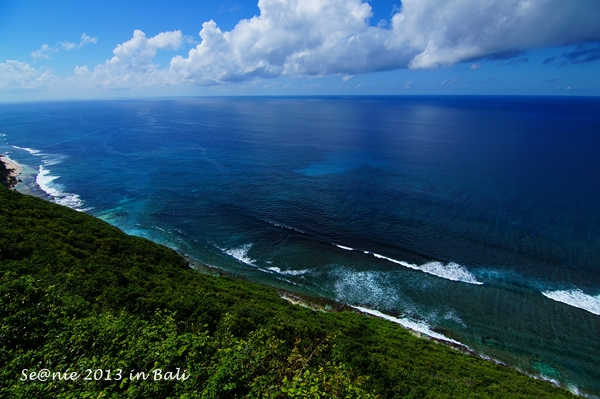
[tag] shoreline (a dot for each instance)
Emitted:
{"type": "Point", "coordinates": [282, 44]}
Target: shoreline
{"type": "Point", "coordinates": [323, 304]}
{"type": "Point", "coordinates": [327, 305]}
{"type": "Point", "coordinates": [9, 172]}
{"type": "Point", "coordinates": [14, 169]}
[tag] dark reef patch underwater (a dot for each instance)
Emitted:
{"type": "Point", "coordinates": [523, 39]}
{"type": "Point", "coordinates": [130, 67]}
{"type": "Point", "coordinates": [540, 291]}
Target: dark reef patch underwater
{"type": "Point", "coordinates": [473, 218]}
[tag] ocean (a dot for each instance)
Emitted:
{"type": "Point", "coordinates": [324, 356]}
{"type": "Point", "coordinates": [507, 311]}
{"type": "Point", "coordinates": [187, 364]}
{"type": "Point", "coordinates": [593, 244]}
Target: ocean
{"type": "Point", "coordinates": [475, 220]}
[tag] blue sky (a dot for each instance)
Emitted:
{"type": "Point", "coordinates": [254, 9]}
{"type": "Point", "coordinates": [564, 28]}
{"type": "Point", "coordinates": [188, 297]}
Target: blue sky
{"type": "Point", "coordinates": [90, 49]}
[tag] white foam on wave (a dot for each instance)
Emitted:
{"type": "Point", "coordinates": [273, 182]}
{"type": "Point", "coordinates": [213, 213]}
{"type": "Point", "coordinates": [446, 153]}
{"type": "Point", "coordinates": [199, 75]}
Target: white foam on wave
{"type": "Point", "coordinates": [288, 272]}
{"type": "Point", "coordinates": [241, 253]}
{"type": "Point", "coordinates": [46, 181]}
{"type": "Point", "coordinates": [450, 271]}
{"type": "Point", "coordinates": [283, 226]}
{"type": "Point", "coordinates": [368, 287]}
{"type": "Point", "coordinates": [576, 298]}
{"type": "Point", "coordinates": [451, 315]}
{"type": "Point", "coordinates": [575, 391]}
{"type": "Point", "coordinates": [29, 150]}
{"type": "Point", "coordinates": [418, 326]}
{"type": "Point", "coordinates": [343, 247]}
{"type": "Point", "coordinates": [400, 262]}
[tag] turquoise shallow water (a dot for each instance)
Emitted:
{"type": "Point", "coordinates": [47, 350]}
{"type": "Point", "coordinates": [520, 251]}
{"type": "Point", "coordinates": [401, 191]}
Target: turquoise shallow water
{"type": "Point", "coordinates": [472, 217]}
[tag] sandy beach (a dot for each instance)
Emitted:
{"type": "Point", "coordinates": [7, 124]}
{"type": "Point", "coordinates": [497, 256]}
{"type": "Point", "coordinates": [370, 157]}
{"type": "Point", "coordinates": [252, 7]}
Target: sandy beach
{"type": "Point", "coordinates": [10, 164]}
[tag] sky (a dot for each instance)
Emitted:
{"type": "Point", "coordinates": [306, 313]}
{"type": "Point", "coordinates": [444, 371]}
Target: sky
{"type": "Point", "coordinates": [87, 49]}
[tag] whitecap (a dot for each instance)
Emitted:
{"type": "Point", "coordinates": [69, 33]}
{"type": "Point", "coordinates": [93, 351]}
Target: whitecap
{"type": "Point", "coordinates": [46, 181]}
{"type": "Point", "coordinates": [452, 316]}
{"type": "Point", "coordinates": [29, 150]}
{"type": "Point", "coordinates": [283, 226]}
{"type": "Point", "coordinates": [450, 271]}
{"type": "Point", "coordinates": [367, 287]}
{"type": "Point", "coordinates": [418, 326]}
{"type": "Point", "coordinates": [343, 247]}
{"type": "Point", "coordinates": [241, 253]}
{"type": "Point", "coordinates": [288, 272]}
{"type": "Point", "coordinates": [576, 298]}
{"type": "Point", "coordinates": [575, 391]}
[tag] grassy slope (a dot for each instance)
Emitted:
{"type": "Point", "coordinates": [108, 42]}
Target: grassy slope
{"type": "Point", "coordinates": [77, 293]}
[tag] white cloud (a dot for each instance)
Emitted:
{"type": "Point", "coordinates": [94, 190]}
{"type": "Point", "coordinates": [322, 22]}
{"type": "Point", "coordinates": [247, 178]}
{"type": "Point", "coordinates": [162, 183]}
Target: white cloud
{"type": "Point", "coordinates": [290, 38]}
{"type": "Point", "coordinates": [132, 64]}
{"type": "Point", "coordinates": [475, 66]}
{"type": "Point", "coordinates": [457, 30]}
{"type": "Point", "coordinates": [450, 81]}
{"type": "Point", "coordinates": [303, 38]}
{"type": "Point", "coordinates": [45, 51]}
{"type": "Point", "coordinates": [317, 38]}
{"type": "Point", "coordinates": [85, 39]}
{"type": "Point", "coordinates": [139, 50]}
{"type": "Point", "coordinates": [16, 75]}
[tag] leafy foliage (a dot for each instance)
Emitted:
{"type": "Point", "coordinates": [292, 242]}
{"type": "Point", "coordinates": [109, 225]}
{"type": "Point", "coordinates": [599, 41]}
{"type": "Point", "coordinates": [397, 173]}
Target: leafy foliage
{"type": "Point", "coordinates": [6, 177]}
{"type": "Point", "coordinates": [78, 294]}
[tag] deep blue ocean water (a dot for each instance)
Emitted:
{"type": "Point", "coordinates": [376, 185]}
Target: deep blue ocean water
{"type": "Point", "coordinates": [476, 219]}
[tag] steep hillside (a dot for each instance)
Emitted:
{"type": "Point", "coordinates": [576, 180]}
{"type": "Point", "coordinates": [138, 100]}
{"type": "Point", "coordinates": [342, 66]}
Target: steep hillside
{"type": "Point", "coordinates": [77, 294]}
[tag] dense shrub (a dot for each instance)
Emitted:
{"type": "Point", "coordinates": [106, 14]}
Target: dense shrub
{"type": "Point", "coordinates": [79, 294]}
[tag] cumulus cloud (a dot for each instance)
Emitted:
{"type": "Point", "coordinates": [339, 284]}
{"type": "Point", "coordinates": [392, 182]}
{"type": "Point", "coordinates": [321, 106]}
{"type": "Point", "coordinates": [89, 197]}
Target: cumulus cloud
{"type": "Point", "coordinates": [317, 38]}
{"type": "Point", "coordinates": [132, 64]}
{"type": "Point", "coordinates": [15, 75]}
{"type": "Point", "coordinates": [85, 39]}
{"type": "Point", "coordinates": [290, 38]}
{"type": "Point", "coordinates": [45, 51]}
{"type": "Point", "coordinates": [303, 38]}
{"type": "Point", "coordinates": [457, 30]}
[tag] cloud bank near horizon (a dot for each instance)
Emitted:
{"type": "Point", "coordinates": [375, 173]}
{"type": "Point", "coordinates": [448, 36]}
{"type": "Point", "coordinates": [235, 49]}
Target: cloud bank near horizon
{"type": "Point", "coordinates": [305, 38]}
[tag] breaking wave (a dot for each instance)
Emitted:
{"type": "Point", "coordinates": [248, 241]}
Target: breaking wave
{"type": "Point", "coordinates": [288, 272]}
{"type": "Point", "coordinates": [241, 253]}
{"type": "Point", "coordinates": [576, 298]}
{"type": "Point", "coordinates": [449, 271]}
{"type": "Point", "coordinates": [46, 181]}
{"type": "Point", "coordinates": [419, 326]}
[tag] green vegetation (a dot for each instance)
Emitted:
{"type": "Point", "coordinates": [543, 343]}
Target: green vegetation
{"type": "Point", "coordinates": [6, 178]}
{"type": "Point", "coordinates": [78, 294]}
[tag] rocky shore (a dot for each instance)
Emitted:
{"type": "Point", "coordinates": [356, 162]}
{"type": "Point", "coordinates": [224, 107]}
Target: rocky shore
{"type": "Point", "coordinates": [9, 172]}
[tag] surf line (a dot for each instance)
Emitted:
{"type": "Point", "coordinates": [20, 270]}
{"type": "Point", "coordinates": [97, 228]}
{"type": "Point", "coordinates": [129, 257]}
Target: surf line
{"type": "Point", "coordinates": [45, 180]}
{"type": "Point", "coordinates": [418, 326]}
{"type": "Point", "coordinates": [576, 298]}
{"type": "Point", "coordinates": [450, 271]}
